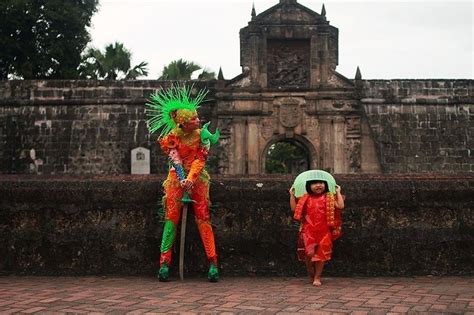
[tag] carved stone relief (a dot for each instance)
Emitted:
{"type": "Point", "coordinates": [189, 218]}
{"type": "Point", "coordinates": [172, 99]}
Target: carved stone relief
{"type": "Point", "coordinates": [353, 149]}
{"type": "Point", "coordinates": [225, 105]}
{"type": "Point", "coordinates": [225, 125]}
{"type": "Point", "coordinates": [289, 115]}
{"type": "Point", "coordinates": [312, 126]}
{"type": "Point", "coordinates": [288, 63]}
{"type": "Point", "coordinates": [224, 155]}
{"type": "Point", "coordinates": [353, 126]}
{"type": "Point", "coordinates": [334, 81]}
{"type": "Point", "coordinates": [267, 127]}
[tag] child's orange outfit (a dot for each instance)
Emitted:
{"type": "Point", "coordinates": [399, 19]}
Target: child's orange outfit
{"type": "Point", "coordinates": [320, 224]}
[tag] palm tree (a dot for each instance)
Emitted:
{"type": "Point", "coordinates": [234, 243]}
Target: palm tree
{"type": "Point", "coordinates": [112, 64]}
{"type": "Point", "coordinates": [179, 70]}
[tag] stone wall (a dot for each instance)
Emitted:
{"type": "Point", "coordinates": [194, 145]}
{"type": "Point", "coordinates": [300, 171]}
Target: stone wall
{"type": "Point", "coordinates": [90, 127]}
{"type": "Point", "coordinates": [393, 225]}
{"type": "Point", "coordinates": [421, 125]}
{"type": "Point", "coordinates": [77, 127]}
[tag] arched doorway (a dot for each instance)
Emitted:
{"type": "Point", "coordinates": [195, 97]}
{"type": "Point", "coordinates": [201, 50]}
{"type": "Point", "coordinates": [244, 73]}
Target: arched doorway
{"type": "Point", "coordinates": [287, 156]}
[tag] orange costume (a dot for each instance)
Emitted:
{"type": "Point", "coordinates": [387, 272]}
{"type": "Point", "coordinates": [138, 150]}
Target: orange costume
{"type": "Point", "coordinates": [320, 225]}
{"type": "Point", "coordinates": [174, 114]}
{"type": "Point", "coordinates": [193, 157]}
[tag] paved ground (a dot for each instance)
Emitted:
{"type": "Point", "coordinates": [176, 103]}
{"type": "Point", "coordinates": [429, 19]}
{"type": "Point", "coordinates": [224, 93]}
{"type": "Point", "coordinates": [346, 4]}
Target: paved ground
{"type": "Point", "coordinates": [134, 295]}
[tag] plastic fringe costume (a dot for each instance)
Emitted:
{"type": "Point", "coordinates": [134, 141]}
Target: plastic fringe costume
{"type": "Point", "coordinates": [315, 239]}
{"type": "Point", "coordinates": [169, 111]}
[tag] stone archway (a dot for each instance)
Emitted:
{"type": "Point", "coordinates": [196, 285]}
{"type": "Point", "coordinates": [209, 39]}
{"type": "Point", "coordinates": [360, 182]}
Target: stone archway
{"type": "Point", "coordinates": [284, 155]}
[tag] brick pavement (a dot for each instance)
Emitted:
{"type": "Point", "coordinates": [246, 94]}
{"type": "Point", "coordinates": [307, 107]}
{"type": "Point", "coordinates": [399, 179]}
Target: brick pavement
{"type": "Point", "coordinates": [135, 295]}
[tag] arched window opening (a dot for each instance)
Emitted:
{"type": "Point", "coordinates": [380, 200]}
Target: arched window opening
{"type": "Point", "coordinates": [286, 157]}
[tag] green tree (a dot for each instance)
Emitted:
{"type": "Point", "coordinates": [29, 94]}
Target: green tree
{"type": "Point", "coordinates": [179, 70]}
{"type": "Point", "coordinates": [286, 158]}
{"type": "Point", "coordinates": [43, 39]}
{"type": "Point", "coordinates": [112, 64]}
{"type": "Point", "coordinates": [207, 75]}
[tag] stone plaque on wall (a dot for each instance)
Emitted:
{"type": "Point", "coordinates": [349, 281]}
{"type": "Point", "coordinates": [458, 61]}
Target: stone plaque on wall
{"type": "Point", "coordinates": [140, 161]}
{"type": "Point", "coordinates": [288, 63]}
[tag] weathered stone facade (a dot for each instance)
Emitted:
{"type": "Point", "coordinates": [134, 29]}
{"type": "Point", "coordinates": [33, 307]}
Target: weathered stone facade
{"type": "Point", "coordinates": [422, 125]}
{"type": "Point", "coordinates": [419, 128]}
{"type": "Point", "coordinates": [289, 90]}
{"type": "Point", "coordinates": [77, 127]}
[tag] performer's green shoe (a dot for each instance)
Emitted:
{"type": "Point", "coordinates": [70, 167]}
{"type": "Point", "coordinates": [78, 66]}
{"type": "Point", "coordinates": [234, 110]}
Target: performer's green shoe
{"type": "Point", "coordinates": [213, 274]}
{"type": "Point", "coordinates": [163, 273]}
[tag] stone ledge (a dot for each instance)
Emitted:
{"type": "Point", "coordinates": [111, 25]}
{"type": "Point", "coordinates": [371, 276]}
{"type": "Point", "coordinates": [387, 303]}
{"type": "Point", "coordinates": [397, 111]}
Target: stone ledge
{"type": "Point", "coordinates": [393, 225]}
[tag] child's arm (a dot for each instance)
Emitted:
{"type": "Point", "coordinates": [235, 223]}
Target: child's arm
{"type": "Point", "coordinates": [339, 198]}
{"type": "Point", "coordinates": [292, 199]}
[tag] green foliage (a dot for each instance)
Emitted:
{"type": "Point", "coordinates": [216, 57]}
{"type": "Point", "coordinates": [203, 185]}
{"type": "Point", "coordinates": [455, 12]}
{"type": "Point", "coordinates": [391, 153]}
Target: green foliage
{"type": "Point", "coordinates": [179, 70]}
{"type": "Point", "coordinates": [286, 158]}
{"type": "Point", "coordinates": [43, 39]}
{"type": "Point", "coordinates": [112, 64]}
{"type": "Point", "coordinates": [207, 75]}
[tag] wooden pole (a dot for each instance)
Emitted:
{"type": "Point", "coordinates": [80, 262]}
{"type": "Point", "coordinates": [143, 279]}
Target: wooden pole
{"type": "Point", "coordinates": [182, 240]}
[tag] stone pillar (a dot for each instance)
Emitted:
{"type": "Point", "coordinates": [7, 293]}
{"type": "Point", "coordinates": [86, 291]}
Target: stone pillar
{"type": "Point", "coordinates": [339, 143]}
{"type": "Point", "coordinates": [314, 62]}
{"type": "Point", "coordinates": [327, 139]}
{"type": "Point", "coordinates": [239, 145]}
{"type": "Point", "coordinates": [323, 51]}
{"type": "Point", "coordinates": [254, 69]}
{"type": "Point", "coordinates": [253, 148]}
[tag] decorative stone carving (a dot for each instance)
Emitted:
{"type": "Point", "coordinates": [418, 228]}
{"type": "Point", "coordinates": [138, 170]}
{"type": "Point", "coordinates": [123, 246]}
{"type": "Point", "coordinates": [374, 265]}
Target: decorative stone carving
{"type": "Point", "coordinates": [225, 125]}
{"type": "Point", "coordinates": [354, 152]}
{"type": "Point", "coordinates": [353, 126]}
{"type": "Point", "coordinates": [338, 104]}
{"type": "Point", "coordinates": [226, 106]}
{"type": "Point", "coordinates": [267, 127]}
{"type": "Point", "coordinates": [289, 115]}
{"type": "Point", "coordinates": [224, 154]}
{"type": "Point", "coordinates": [312, 126]}
{"type": "Point", "coordinates": [335, 81]}
{"type": "Point", "coordinates": [288, 63]}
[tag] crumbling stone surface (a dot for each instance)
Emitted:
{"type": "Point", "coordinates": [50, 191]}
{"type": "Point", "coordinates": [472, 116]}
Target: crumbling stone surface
{"type": "Point", "coordinates": [393, 225]}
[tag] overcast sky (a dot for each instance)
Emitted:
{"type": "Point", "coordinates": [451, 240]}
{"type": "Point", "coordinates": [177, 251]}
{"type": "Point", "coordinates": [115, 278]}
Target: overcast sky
{"type": "Point", "coordinates": [387, 39]}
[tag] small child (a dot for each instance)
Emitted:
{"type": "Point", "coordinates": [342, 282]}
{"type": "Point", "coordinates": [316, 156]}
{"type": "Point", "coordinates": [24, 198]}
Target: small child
{"type": "Point", "coordinates": [319, 212]}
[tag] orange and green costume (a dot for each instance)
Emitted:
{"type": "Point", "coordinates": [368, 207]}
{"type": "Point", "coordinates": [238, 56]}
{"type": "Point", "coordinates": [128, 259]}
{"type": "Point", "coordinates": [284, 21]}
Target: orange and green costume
{"type": "Point", "coordinates": [187, 150]}
{"type": "Point", "coordinates": [194, 158]}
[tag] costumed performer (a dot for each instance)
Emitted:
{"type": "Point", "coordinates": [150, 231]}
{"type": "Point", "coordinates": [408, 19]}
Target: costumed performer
{"type": "Point", "coordinates": [174, 113]}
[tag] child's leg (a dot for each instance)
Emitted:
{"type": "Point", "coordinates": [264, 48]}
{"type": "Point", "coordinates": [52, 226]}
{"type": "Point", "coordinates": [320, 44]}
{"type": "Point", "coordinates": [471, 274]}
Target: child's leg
{"type": "Point", "coordinates": [309, 267]}
{"type": "Point", "coordinates": [319, 271]}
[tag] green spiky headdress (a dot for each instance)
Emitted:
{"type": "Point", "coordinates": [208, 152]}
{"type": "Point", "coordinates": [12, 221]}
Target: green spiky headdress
{"type": "Point", "coordinates": [163, 103]}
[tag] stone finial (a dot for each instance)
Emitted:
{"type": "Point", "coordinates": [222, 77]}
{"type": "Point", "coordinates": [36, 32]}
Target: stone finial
{"type": "Point", "coordinates": [358, 74]}
{"type": "Point", "coordinates": [220, 75]}
{"type": "Point", "coordinates": [287, 1]}
{"type": "Point", "coordinates": [323, 11]}
{"type": "Point", "coordinates": [253, 11]}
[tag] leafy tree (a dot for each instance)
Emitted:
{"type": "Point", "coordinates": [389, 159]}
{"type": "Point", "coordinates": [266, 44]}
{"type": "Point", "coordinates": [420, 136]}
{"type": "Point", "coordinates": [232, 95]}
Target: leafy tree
{"type": "Point", "coordinates": [207, 75]}
{"type": "Point", "coordinates": [179, 70]}
{"type": "Point", "coordinates": [286, 158]}
{"type": "Point", "coordinates": [112, 64]}
{"type": "Point", "coordinates": [43, 39]}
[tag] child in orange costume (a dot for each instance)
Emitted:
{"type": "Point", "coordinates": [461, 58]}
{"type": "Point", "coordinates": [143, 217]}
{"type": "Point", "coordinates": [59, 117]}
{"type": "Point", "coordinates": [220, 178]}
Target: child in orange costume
{"type": "Point", "coordinates": [319, 213]}
{"type": "Point", "coordinates": [187, 146]}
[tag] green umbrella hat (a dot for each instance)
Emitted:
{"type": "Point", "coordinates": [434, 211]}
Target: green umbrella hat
{"type": "Point", "coordinates": [312, 175]}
